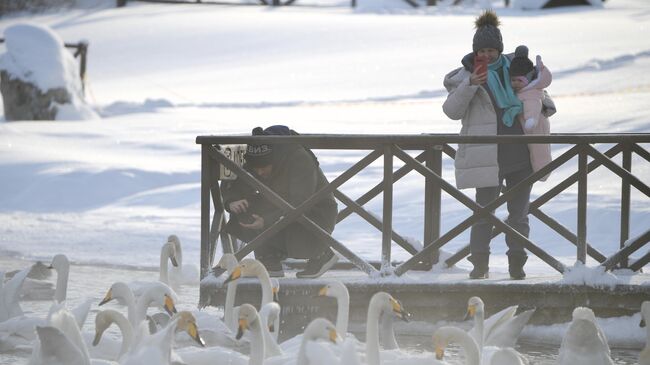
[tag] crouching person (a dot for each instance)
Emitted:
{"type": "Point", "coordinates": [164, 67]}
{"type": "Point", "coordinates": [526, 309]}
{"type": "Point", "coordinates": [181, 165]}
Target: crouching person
{"type": "Point", "coordinates": [293, 173]}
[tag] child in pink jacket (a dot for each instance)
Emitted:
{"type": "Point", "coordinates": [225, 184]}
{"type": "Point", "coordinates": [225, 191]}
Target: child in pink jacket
{"type": "Point", "coordinates": [529, 82]}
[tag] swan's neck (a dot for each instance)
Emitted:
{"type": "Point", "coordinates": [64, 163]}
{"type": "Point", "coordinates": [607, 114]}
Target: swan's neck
{"type": "Point", "coordinates": [645, 353]}
{"type": "Point", "coordinates": [372, 334]}
{"type": "Point", "coordinates": [343, 312]}
{"type": "Point", "coordinates": [164, 268]}
{"type": "Point", "coordinates": [141, 306]}
{"type": "Point", "coordinates": [127, 333]}
{"type": "Point", "coordinates": [479, 323]}
{"type": "Point", "coordinates": [387, 332]}
{"type": "Point", "coordinates": [267, 291]}
{"type": "Point", "coordinates": [61, 290]}
{"type": "Point", "coordinates": [257, 343]}
{"type": "Point", "coordinates": [271, 347]}
{"type": "Point", "coordinates": [230, 303]}
{"type": "Point", "coordinates": [469, 346]}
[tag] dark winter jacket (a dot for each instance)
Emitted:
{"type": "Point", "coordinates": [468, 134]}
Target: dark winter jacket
{"type": "Point", "coordinates": [296, 176]}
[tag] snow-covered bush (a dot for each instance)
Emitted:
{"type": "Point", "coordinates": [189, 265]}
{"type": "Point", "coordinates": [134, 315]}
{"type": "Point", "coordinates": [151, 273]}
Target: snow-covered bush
{"type": "Point", "coordinates": [10, 6]}
{"type": "Point", "coordinates": [39, 77]}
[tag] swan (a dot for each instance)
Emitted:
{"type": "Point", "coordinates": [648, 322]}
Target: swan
{"type": "Point", "coordinates": [35, 286]}
{"type": "Point", "coordinates": [167, 254]}
{"type": "Point", "coordinates": [584, 342]}
{"type": "Point", "coordinates": [159, 294]}
{"type": "Point", "coordinates": [9, 295]}
{"type": "Point", "coordinates": [500, 330]}
{"type": "Point", "coordinates": [157, 348]}
{"type": "Point", "coordinates": [103, 321]}
{"type": "Point", "coordinates": [251, 267]}
{"type": "Point", "coordinates": [337, 290]}
{"type": "Point", "coordinates": [229, 262]}
{"type": "Point", "coordinates": [182, 273]}
{"type": "Point", "coordinates": [60, 341]}
{"type": "Point", "coordinates": [379, 303]}
{"type": "Point", "coordinates": [269, 315]}
{"type": "Point", "coordinates": [501, 356]}
{"type": "Point", "coordinates": [61, 265]}
{"type": "Point", "coordinates": [644, 356]}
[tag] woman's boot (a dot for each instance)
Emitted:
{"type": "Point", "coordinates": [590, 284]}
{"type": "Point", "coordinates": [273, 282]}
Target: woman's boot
{"type": "Point", "coordinates": [516, 266]}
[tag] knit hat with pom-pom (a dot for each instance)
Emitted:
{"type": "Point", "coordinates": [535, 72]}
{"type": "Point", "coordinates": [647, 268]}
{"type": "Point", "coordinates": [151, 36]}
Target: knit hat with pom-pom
{"type": "Point", "coordinates": [487, 33]}
{"type": "Point", "coordinates": [521, 65]}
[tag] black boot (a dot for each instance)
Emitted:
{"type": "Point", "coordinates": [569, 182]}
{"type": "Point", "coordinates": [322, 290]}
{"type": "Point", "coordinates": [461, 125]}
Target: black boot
{"type": "Point", "coordinates": [516, 266]}
{"type": "Point", "coordinates": [481, 266]}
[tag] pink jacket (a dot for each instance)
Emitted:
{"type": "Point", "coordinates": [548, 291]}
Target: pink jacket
{"type": "Point", "coordinates": [531, 97]}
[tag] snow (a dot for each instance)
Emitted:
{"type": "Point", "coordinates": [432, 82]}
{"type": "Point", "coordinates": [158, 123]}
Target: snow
{"type": "Point", "coordinates": [35, 54]}
{"type": "Point", "coordinates": [107, 192]}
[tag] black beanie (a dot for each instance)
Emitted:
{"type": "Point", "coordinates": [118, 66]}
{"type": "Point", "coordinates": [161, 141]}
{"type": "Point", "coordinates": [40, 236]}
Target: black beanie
{"type": "Point", "coordinates": [487, 33]}
{"type": "Point", "coordinates": [258, 155]}
{"type": "Point", "coordinates": [521, 65]}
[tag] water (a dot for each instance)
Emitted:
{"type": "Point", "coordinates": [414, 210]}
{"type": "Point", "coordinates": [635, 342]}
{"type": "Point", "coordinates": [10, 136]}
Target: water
{"type": "Point", "coordinates": [87, 281]}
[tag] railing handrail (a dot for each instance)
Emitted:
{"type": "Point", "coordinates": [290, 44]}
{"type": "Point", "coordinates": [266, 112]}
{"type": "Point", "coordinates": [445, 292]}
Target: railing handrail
{"type": "Point", "coordinates": [429, 165]}
{"type": "Point", "coordinates": [420, 141]}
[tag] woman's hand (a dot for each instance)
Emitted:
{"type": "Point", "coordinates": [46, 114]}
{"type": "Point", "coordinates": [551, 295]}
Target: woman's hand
{"type": "Point", "coordinates": [477, 79]}
{"type": "Point", "coordinates": [257, 224]}
{"type": "Point", "coordinates": [238, 206]}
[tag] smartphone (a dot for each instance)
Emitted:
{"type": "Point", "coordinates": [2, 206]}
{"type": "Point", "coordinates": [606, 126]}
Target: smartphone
{"type": "Point", "coordinates": [480, 64]}
{"type": "Point", "coordinates": [246, 218]}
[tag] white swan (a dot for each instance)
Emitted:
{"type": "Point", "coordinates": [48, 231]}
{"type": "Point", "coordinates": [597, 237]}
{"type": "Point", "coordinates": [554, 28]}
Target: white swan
{"type": "Point", "coordinates": [157, 348]}
{"type": "Point", "coordinates": [36, 287]}
{"type": "Point", "coordinates": [644, 356]}
{"type": "Point", "coordinates": [339, 291]}
{"type": "Point", "coordinates": [229, 262]}
{"type": "Point", "coordinates": [60, 342]}
{"type": "Point", "coordinates": [182, 273]}
{"type": "Point", "coordinates": [103, 321]}
{"type": "Point", "coordinates": [167, 254]}
{"type": "Point", "coordinates": [61, 265]}
{"type": "Point", "coordinates": [251, 267]}
{"type": "Point", "coordinates": [160, 295]}
{"type": "Point", "coordinates": [269, 315]}
{"type": "Point", "coordinates": [379, 303]}
{"type": "Point", "coordinates": [446, 335]}
{"type": "Point", "coordinates": [10, 295]}
{"type": "Point", "coordinates": [500, 330]}
{"type": "Point", "coordinates": [584, 342]}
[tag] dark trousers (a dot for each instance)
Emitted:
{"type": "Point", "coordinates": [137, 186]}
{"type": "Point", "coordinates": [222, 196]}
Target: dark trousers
{"type": "Point", "coordinates": [481, 232]}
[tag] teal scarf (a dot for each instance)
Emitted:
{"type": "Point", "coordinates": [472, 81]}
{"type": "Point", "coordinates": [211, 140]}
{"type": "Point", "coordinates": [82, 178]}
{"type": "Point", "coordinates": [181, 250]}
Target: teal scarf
{"type": "Point", "coordinates": [503, 94]}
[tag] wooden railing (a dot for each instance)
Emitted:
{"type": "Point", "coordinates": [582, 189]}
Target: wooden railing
{"type": "Point", "coordinates": [429, 164]}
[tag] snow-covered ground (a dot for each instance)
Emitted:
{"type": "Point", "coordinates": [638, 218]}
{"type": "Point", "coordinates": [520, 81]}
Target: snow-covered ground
{"type": "Point", "coordinates": [110, 191]}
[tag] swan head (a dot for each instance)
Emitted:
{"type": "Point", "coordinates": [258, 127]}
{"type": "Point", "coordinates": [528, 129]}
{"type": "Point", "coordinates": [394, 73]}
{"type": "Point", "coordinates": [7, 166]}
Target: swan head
{"type": "Point", "coordinates": [474, 305]}
{"type": "Point", "coordinates": [247, 267]}
{"type": "Point", "coordinates": [334, 289]}
{"type": "Point", "coordinates": [275, 289]}
{"type": "Point", "coordinates": [187, 322]}
{"type": "Point", "coordinates": [270, 311]}
{"type": "Point", "coordinates": [445, 335]}
{"type": "Point", "coordinates": [645, 313]}
{"type": "Point", "coordinates": [248, 318]}
{"type": "Point", "coordinates": [119, 291]}
{"type": "Point", "coordinates": [176, 242]}
{"type": "Point", "coordinates": [321, 329]}
{"type": "Point", "coordinates": [103, 320]}
{"type": "Point", "coordinates": [228, 262]}
{"type": "Point", "coordinates": [386, 303]}
{"type": "Point", "coordinates": [59, 262]}
{"type": "Point", "coordinates": [169, 250]}
{"type": "Point", "coordinates": [584, 313]}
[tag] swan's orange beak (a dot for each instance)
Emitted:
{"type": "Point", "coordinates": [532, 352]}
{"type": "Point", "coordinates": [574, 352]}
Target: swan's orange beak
{"type": "Point", "coordinates": [399, 310]}
{"type": "Point", "coordinates": [170, 308]}
{"type": "Point", "coordinates": [276, 296]}
{"type": "Point", "coordinates": [236, 274]}
{"type": "Point", "coordinates": [471, 311]}
{"type": "Point", "coordinates": [440, 352]}
{"type": "Point", "coordinates": [108, 297]}
{"type": "Point", "coordinates": [243, 325]}
{"type": "Point", "coordinates": [193, 331]}
{"type": "Point", "coordinates": [333, 336]}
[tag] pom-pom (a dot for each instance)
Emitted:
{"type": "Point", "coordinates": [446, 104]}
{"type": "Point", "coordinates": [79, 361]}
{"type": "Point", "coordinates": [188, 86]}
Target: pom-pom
{"type": "Point", "coordinates": [521, 51]}
{"type": "Point", "coordinates": [489, 17]}
{"type": "Point", "coordinates": [258, 131]}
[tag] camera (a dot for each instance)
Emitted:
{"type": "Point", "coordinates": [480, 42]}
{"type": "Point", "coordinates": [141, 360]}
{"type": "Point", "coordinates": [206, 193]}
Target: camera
{"type": "Point", "coordinates": [245, 217]}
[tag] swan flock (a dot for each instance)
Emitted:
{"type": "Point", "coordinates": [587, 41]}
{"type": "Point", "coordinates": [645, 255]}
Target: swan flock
{"type": "Point", "coordinates": [152, 331]}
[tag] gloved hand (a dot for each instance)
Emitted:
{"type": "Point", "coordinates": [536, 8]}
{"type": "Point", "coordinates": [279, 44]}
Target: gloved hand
{"type": "Point", "coordinates": [530, 123]}
{"type": "Point", "coordinates": [538, 63]}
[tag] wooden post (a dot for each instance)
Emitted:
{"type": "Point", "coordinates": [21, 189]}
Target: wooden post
{"type": "Point", "coordinates": [205, 210]}
{"type": "Point", "coordinates": [387, 218]}
{"type": "Point", "coordinates": [432, 199]}
{"type": "Point", "coordinates": [121, 3]}
{"type": "Point", "coordinates": [431, 2]}
{"type": "Point", "coordinates": [582, 206]}
{"type": "Point", "coordinates": [625, 200]}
